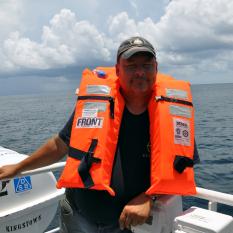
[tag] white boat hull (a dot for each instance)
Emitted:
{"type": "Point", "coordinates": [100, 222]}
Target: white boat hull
{"type": "Point", "coordinates": [29, 203]}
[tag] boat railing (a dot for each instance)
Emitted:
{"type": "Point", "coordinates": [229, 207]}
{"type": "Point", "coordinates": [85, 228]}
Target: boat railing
{"type": "Point", "coordinates": [213, 197]}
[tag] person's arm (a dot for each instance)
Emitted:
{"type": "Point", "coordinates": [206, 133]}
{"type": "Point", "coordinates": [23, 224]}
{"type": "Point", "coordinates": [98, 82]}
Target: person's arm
{"type": "Point", "coordinates": [136, 211]}
{"type": "Point", "coordinates": [52, 151]}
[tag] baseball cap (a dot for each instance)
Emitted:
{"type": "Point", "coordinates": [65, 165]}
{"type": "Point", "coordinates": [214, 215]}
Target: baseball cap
{"type": "Point", "coordinates": [134, 45]}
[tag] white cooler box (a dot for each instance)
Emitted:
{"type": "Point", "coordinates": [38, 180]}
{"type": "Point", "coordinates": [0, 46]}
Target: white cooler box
{"type": "Point", "coordinates": [197, 220]}
{"type": "Point", "coordinates": [166, 208]}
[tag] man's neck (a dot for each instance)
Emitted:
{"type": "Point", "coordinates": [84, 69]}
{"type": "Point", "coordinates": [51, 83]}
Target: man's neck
{"type": "Point", "coordinates": [136, 103]}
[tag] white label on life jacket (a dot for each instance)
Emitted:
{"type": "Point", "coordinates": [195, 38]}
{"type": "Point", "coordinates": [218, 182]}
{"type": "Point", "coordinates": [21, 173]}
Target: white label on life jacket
{"type": "Point", "coordinates": [89, 112]}
{"type": "Point", "coordinates": [176, 93]}
{"type": "Point", "coordinates": [181, 132]}
{"type": "Point", "coordinates": [100, 106]}
{"type": "Point", "coordinates": [89, 122]}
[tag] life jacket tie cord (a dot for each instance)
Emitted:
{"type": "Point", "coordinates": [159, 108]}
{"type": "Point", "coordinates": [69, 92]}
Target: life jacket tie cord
{"type": "Point", "coordinates": [86, 161]}
{"type": "Point", "coordinates": [181, 162]}
{"type": "Point", "coordinates": [164, 98]}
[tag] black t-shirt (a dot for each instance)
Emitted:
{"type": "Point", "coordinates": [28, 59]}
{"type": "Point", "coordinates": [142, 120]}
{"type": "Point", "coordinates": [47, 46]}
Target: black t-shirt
{"type": "Point", "coordinates": [133, 179]}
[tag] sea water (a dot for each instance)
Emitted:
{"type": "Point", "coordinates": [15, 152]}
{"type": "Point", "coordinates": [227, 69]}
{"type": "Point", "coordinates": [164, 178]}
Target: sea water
{"type": "Point", "coordinates": [27, 121]}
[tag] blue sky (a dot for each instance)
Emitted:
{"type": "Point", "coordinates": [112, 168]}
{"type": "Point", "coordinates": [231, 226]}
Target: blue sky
{"type": "Point", "coordinates": [44, 45]}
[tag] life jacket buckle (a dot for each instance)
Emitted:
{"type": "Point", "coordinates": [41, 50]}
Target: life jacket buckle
{"type": "Point", "coordinates": [181, 162]}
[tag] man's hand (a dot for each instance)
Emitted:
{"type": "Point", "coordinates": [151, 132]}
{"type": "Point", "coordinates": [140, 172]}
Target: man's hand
{"type": "Point", "coordinates": [9, 171]}
{"type": "Point", "coordinates": [136, 212]}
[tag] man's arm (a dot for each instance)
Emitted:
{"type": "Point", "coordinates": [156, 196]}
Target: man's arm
{"type": "Point", "coordinates": [136, 212]}
{"type": "Point", "coordinates": [52, 151]}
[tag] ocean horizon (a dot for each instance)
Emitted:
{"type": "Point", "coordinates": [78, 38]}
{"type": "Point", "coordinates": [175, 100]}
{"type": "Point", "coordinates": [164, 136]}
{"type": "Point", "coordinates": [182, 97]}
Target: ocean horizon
{"type": "Point", "coordinates": [29, 120]}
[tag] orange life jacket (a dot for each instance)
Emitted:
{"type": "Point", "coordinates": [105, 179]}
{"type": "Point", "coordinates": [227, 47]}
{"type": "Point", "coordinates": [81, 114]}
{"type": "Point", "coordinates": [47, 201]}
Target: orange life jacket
{"type": "Point", "coordinates": [95, 131]}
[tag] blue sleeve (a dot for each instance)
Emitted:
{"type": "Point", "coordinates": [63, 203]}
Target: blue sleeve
{"type": "Point", "coordinates": [65, 133]}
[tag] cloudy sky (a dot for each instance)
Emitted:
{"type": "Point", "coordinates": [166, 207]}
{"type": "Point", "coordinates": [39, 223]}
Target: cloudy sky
{"type": "Point", "coordinates": [44, 44]}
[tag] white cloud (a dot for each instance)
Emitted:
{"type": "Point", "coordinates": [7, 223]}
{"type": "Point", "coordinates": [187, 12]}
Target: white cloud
{"type": "Point", "coordinates": [197, 25]}
{"type": "Point", "coordinates": [22, 52]}
{"type": "Point", "coordinates": [194, 35]}
{"type": "Point", "coordinates": [199, 34]}
{"type": "Point", "coordinates": [121, 26]}
{"type": "Point", "coordinates": [10, 14]}
{"type": "Point", "coordinates": [65, 41]}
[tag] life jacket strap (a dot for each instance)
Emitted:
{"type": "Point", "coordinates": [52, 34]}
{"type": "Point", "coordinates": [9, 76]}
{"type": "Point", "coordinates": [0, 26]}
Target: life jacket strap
{"type": "Point", "coordinates": [173, 100]}
{"type": "Point", "coordinates": [181, 162]}
{"type": "Point", "coordinates": [86, 161]}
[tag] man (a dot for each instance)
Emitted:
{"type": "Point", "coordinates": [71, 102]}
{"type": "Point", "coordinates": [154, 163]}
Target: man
{"type": "Point", "coordinates": [90, 210]}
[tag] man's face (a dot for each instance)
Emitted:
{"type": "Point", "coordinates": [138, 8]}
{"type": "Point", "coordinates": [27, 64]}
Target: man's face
{"type": "Point", "coordinates": [137, 74]}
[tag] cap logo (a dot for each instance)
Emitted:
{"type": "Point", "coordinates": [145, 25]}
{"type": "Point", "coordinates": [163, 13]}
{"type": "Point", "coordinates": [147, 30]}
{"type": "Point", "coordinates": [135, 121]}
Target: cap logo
{"type": "Point", "coordinates": [138, 42]}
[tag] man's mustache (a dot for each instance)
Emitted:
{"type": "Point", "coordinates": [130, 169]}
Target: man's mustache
{"type": "Point", "coordinates": [140, 78]}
